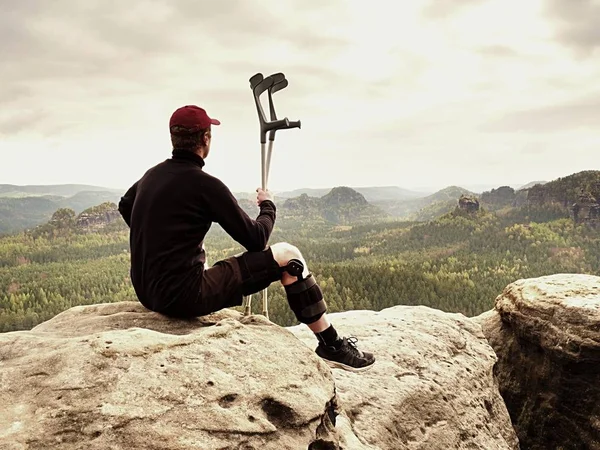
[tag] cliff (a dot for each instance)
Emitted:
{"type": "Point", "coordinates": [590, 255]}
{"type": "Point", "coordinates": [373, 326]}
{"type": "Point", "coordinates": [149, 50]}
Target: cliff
{"type": "Point", "coordinates": [546, 333]}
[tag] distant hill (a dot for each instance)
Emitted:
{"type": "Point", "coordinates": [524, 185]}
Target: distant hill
{"type": "Point", "coordinates": [19, 213]}
{"type": "Point", "coordinates": [537, 200]}
{"type": "Point", "coordinates": [28, 206]}
{"type": "Point", "coordinates": [370, 193]}
{"type": "Point", "coordinates": [530, 184]}
{"type": "Point", "coordinates": [440, 203]}
{"type": "Point", "coordinates": [566, 190]}
{"type": "Point", "coordinates": [86, 199]}
{"type": "Point", "coordinates": [341, 205]}
{"type": "Point", "coordinates": [24, 207]}
{"type": "Point", "coordinates": [318, 192]}
{"type": "Point", "coordinates": [425, 208]}
{"type": "Point", "coordinates": [499, 198]}
{"type": "Point", "coordinates": [61, 190]}
{"type": "Point", "coordinates": [386, 198]}
{"type": "Point", "coordinates": [563, 192]}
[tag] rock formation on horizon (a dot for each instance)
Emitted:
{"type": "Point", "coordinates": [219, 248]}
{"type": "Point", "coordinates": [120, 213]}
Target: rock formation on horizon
{"type": "Point", "coordinates": [98, 216]}
{"type": "Point", "coordinates": [587, 209]}
{"type": "Point", "coordinates": [468, 203]}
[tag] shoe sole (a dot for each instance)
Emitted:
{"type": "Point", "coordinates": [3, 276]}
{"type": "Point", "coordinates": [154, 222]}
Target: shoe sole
{"type": "Point", "coordinates": [338, 365]}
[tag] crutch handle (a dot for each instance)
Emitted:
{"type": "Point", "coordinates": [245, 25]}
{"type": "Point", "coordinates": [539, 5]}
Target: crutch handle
{"type": "Point", "coordinates": [265, 127]}
{"type": "Point", "coordinates": [294, 124]}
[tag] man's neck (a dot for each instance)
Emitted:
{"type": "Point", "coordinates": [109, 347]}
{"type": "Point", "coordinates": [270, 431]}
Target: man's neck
{"type": "Point", "coordinates": [189, 156]}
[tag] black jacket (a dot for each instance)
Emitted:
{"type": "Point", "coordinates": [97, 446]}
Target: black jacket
{"type": "Point", "coordinates": [169, 211]}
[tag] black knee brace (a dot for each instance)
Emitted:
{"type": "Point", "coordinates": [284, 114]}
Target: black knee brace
{"type": "Point", "coordinates": [306, 299]}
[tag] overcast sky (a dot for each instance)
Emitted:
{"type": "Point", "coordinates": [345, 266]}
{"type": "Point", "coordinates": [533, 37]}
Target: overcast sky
{"type": "Point", "coordinates": [413, 94]}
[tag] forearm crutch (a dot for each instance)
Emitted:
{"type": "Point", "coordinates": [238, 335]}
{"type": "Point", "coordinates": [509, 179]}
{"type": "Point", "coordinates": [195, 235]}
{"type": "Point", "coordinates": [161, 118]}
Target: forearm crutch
{"type": "Point", "coordinates": [259, 85]}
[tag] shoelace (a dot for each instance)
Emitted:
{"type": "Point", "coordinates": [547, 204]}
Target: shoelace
{"type": "Point", "coordinates": [352, 342]}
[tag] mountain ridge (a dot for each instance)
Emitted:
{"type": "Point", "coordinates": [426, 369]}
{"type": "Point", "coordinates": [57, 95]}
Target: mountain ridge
{"type": "Point", "coordinates": [62, 190]}
{"type": "Point", "coordinates": [25, 206]}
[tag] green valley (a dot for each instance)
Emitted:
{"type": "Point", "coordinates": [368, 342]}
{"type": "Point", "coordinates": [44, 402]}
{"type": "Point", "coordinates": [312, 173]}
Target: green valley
{"type": "Point", "coordinates": [458, 262]}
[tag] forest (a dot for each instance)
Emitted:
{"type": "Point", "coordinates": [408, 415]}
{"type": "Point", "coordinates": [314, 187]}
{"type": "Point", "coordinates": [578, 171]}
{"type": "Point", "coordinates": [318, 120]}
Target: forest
{"type": "Point", "coordinates": [458, 262]}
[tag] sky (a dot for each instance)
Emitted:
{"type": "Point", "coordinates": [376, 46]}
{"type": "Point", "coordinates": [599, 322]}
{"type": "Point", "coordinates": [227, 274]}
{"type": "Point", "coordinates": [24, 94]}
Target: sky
{"type": "Point", "coordinates": [422, 94]}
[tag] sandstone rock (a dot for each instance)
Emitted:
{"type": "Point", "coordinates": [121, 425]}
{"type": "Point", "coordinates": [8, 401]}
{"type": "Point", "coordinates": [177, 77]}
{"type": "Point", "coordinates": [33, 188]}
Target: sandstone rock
{"type": "Point", "coordinates": [432, 386]}
{"type": "Point", "coordinates": [468, 203]}
{"type": "Point", "coordinates": [116, 376]}
{"type": "Point", "coordinates": [546, 332]}
{"type": "Point", "coordinates": [587, 209]}
{"type": "Point", "coordinates": [98, 217]}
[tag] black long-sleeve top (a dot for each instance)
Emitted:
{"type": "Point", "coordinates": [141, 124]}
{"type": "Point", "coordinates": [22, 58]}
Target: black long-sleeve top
{"type": "Point", "coordinates": [169, 211]}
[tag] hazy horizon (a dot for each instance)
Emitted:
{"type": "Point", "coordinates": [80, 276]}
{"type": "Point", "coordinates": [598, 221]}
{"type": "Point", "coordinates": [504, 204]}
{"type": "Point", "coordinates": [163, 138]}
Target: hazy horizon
{"type": "Point", "coordinates": [417, 189]}
{"type": "Point", "coordinates": [422, 96]}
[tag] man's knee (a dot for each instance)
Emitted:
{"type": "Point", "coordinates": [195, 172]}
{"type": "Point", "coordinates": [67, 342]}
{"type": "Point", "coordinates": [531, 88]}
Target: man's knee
{"type": "Point", "coordinates": [283, 253]}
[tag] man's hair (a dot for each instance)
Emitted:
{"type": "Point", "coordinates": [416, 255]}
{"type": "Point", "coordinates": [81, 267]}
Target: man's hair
{"type": "Point", "coordinates": [182, 139]}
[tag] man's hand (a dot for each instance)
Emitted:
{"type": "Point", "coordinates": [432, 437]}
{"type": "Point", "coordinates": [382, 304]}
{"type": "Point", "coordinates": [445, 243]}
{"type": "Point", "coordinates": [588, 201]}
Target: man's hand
{"type": "Point", "coordinates": [262, 195]}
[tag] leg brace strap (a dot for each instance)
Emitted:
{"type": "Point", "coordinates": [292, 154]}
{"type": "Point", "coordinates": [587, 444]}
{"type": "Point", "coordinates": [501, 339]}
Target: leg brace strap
{"type": "Point", "coordinates": [306, 300]}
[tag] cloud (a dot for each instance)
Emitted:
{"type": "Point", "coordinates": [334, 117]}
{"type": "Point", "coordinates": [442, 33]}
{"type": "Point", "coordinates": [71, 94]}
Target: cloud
{"type": "Point", "coordinates": [577, 23]}
{"type": "Point", "coordinates": [498, 51]}
{"type": "Point", "coordinates": [114, 55]}
{"type": "Point", "coordinates": [405, 88]}
{"type": "Point", "coordinates": [17, 92]}
{"type": "Point", "coordinates": [439, 9]}
{"type": "Point", "coordinates": [18, 121]}
{"type": "Point", "coordinates": [575, 114]}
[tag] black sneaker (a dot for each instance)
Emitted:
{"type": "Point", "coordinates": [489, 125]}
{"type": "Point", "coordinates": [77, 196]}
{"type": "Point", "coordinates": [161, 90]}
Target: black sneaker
{"type": "Point", "coordinates": [348, 357]}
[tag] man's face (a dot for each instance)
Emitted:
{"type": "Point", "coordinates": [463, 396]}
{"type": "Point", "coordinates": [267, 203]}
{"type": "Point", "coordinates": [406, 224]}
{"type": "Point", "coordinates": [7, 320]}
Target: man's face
{"type": "Point", "coordinates": [207, 141]}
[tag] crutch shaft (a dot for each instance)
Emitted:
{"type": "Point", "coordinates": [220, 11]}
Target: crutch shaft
{"type": "Point", "coordinates": [263, 166]}
{"type": "Point", "coordinates": [265, 177]}
{"type": "Point", "coordinates": [268, 164]}
{"type": "Point", "coordinates": [247, 305]}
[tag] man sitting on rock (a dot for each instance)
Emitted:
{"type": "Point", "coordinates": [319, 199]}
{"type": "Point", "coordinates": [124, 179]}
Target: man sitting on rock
{"type": "Point", "coordinates": [170, 210]}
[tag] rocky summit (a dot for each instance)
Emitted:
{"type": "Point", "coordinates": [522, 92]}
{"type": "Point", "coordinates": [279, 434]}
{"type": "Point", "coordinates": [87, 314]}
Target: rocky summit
{"type": "Point", "coordinates": [524, 375]}
{"type": "Point", "coordinates": [117, 376]}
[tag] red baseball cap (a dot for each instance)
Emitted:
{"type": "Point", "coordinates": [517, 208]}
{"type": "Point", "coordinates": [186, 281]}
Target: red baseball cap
{"type": "Point", "coordinates": [192, 118]}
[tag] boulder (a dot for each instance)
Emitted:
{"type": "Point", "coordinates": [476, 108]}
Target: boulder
{"type": "Point", "coordinates": [432, 386]}
{"type": "Point", "coordinates": [546, 333]}
{"type": "Point", "coordinates": [117, 376]}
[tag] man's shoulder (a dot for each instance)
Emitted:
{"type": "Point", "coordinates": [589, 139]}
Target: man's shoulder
{"type": "Point", "coordinates": [213, 180]}
{"type": "Point", "coordinates": [190, 176]}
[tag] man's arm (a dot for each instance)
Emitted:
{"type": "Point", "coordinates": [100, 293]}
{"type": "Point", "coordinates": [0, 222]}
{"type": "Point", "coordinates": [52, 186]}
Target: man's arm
{"type": "Point", "coordinates": [126, 204]}
{"type": "Point", "coordinates": [252, 234]}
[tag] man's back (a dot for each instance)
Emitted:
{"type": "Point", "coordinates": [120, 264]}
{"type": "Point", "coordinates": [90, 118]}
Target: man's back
{"type": "Point", "coordinates": [169, 221]}
{"type": "Point", "coordinates": [170, 210]}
